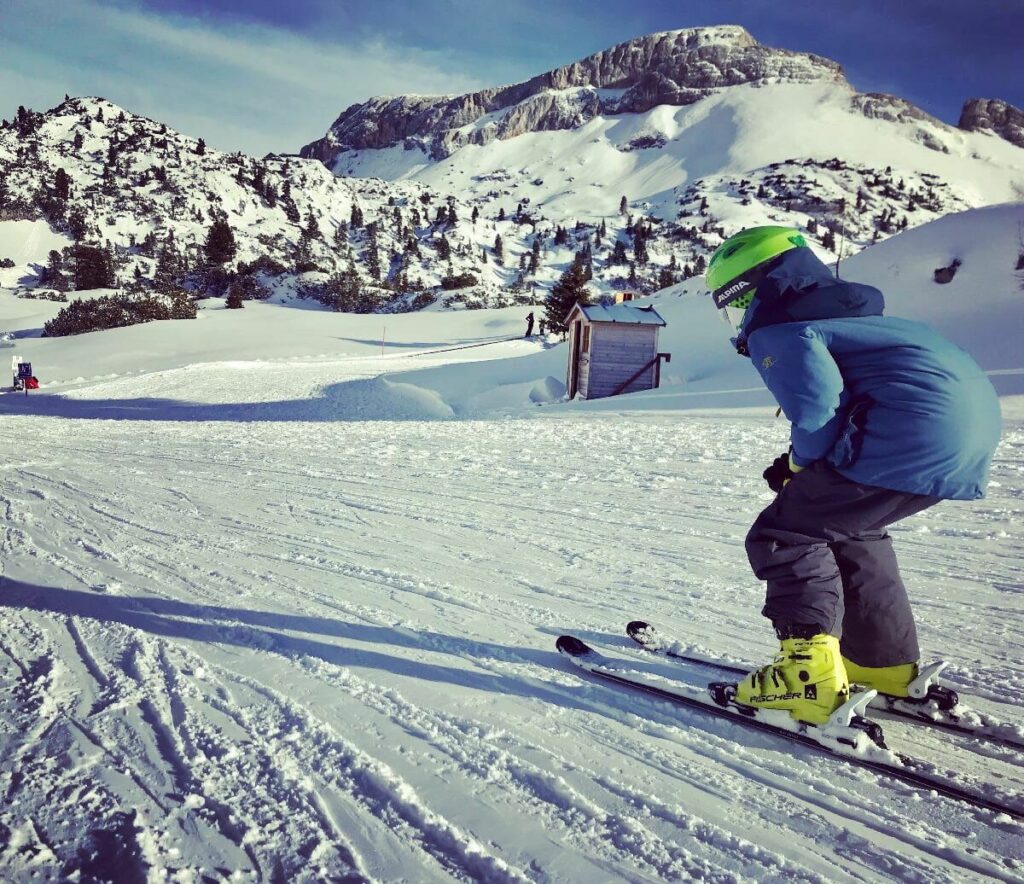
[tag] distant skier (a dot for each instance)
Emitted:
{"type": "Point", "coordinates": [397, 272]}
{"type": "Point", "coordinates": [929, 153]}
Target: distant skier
{"type": "Point", "coordinates": [529, 325]}
{"type": "Point", "coordinates": [887, 418]}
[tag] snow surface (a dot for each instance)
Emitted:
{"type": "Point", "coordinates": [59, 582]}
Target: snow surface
{"type": "Point", "coordinates": [279, 601]}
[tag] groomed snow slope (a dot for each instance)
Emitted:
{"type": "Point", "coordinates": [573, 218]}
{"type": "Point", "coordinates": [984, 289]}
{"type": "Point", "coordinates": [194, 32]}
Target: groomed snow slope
{"type": "Point", "coordinates": [251, 634]}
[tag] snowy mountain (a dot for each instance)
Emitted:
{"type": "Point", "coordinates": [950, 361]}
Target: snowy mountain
{"type": "Point", "coordinates": [994, 115]}
{"type": "Point", "coordinates": [702, 131]}
{"type": "Point", "coordinates": [636, 161]}
{"type": "Point", "coordinates": [672, 68]}
{"type": "Point", "coordinates": [99, 174]}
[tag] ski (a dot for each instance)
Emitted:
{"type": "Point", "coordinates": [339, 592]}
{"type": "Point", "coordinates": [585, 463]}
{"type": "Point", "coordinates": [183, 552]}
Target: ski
{"type": "Point", "coordinates": [847, 735]}
{"type": "Point", "coordinates": [937, 706]}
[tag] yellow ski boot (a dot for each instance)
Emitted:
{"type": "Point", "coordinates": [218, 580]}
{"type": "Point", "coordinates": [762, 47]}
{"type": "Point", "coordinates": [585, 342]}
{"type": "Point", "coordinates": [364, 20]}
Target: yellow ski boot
{"type": "Point", "coordinates": [807, 678]}
{"type": "Point", "coordinates": [892, 680]}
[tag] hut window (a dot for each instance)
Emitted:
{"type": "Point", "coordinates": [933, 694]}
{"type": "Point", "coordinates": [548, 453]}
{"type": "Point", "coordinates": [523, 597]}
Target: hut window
{"type": "Point", "coordinates": [586, 339]}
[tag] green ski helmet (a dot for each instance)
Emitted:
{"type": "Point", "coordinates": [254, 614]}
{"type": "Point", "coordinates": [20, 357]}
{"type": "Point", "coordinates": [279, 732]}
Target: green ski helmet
{"type": "Point", "coordinates": [737, 267]}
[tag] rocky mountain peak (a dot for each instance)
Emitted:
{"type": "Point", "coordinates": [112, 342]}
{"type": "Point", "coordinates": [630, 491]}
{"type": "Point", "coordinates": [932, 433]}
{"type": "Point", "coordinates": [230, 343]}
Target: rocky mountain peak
{"type": "Point", "coordinates": [672, 67]}
{"type": "Point", "coordinates": [995, 115]}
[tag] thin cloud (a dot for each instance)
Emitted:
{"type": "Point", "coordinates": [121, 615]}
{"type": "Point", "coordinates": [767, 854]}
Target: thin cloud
{"type": "Point", "coordinates": [249, 87]}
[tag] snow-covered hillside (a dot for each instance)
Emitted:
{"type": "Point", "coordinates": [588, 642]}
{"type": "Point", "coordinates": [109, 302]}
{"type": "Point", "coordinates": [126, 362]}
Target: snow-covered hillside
{"type": "Point", "coordinates": [637, 160]}
{"type": "Point", "coordinates": [702, 129]}
{"type": "Point", "coordinates": [981, 309]}
{"type": "Point", "coordinates": [280, 588]}
{"type": "Point", "coordinates": [95, 172]}
{"type": "Point", "coordinates": [735, 135]}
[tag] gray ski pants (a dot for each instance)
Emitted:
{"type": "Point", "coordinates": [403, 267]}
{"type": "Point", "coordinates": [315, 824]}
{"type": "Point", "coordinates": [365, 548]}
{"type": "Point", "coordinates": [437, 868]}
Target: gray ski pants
{"type": "Point", "coordinates": [823, 549]}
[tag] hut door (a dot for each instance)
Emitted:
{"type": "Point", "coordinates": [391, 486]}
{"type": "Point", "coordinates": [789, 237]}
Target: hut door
{"type": "Point", "coordinates": [574, 365]}
{"type": "Point", "coordinates": [574, 368]}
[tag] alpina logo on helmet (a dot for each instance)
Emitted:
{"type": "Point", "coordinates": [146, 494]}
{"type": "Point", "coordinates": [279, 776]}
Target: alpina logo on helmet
{"type": "Point", "coordinates": [736, 289]}
{"type": "Point", "coordinates": [733, 289]}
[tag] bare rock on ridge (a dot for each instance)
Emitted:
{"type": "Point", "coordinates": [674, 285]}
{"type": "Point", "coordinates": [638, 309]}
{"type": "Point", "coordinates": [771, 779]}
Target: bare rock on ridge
{"type": "Point", "coordinates": [673, 67]}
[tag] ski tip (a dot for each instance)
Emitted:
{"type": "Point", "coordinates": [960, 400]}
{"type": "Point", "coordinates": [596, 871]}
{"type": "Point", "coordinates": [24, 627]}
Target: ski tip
{"type": "Point", "coordinates": [572, 646]}
{"type": "Point", "coordinates": [641, 632]}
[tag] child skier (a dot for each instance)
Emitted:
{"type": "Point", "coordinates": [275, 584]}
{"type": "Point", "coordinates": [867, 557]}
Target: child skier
{"type": "Point", "coordinates": [888, 418]}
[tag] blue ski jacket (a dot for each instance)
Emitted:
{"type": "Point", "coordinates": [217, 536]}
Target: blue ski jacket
{"type": "Point", "coordinates": [886, 401]}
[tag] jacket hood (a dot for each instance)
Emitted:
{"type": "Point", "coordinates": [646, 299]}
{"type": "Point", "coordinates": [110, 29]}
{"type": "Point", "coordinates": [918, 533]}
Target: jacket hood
{"type": "Point", "coordinates": [798, 287]}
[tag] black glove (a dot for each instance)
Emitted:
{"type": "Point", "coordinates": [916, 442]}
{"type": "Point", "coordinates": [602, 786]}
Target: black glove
{"type": "Point", "coordinates": [778, 473]}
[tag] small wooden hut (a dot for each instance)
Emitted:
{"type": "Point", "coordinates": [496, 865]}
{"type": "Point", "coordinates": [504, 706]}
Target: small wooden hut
{"type": "Point", "coordinates": [613, 349]}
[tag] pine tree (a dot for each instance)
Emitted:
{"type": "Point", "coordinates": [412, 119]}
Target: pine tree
{"type": "Point", "coordinates": [24, 121]}
{"type": "Point", "coordinates": [78, 224]}
{"type": "Point", "coordinates": [501, 214]}
{"type": "Point", "coordinates": [618, 255]}
{"type": "Point", "coordinates": [312, 229]}
{"type": "Point", "coordinates": [444, 249]}
{"type": "Point", "coordinates": [372, 253]}
{"type": "Point", "coordinates": [54, 276]}
{"type": "Point", "coordinates": [534, 263]}
{"type": "Point", "coordinates": [499, 251]}
{"type": "Point", "coordinates": [94, 268]}
{"type": "Point", "coordinates": [220, 243]}
{"type": "Point", "coordinates": [476, 215]}
{"type": "Point", "coordinates": [570, 289]}
{"type": "Point", "coordinates": [341, 235]}
{"type": "Point", "coordinates": [585, 257]}
{"type": "Point", "coordinates": [291, 211]}
{"type": "Point", "coordinates": [356, 216]}
{"type": "Point", "coordinates": [168, 269]}
{"type": "Point", "coordinates": [200, 147]}
{"type": "Point", "coordinates": [235, 301]}
{"type": "Point", "coordinates": [623, 206]}
{"type": "Point", "coordinates": [640, 247]}
{"type": "Point", "coordinates": [344, 291]}
{"type": "Point", "coordinates": [62, 185]}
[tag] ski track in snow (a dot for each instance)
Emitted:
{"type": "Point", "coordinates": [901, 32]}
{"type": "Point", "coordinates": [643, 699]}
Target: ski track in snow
{"type": "Point", "coordinates": [325, 651]}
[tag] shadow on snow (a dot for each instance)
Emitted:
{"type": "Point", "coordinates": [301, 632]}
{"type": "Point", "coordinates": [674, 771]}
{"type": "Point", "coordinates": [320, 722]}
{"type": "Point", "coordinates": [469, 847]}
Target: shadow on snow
{"type": "Point", "coordinates": [365, 399]}
{"type": "Point", "coordinates": [274, 632]}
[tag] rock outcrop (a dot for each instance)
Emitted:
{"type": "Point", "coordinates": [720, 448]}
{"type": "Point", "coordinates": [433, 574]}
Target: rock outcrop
{"type": "Point", "coordinates": [995, 115]}
{"type": "Point", "coordinates": [882, 106]}
{"type": "Point", "coordinates": [674, 67]}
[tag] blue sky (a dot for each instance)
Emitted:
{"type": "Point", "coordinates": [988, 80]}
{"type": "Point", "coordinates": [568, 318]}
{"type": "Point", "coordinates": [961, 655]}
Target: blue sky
{"type": "Point", "coordinates": [261, 75]}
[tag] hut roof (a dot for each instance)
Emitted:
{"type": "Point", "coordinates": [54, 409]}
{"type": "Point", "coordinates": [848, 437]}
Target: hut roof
{"type": "Point", "coordinates": [627, 312]}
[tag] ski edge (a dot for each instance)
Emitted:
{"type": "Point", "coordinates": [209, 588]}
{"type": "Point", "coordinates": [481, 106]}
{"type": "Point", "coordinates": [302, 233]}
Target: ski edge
{"type": "Point", "coordinates": [907, 770]}
{"type": "Point", "coordinates": [646, 636]}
